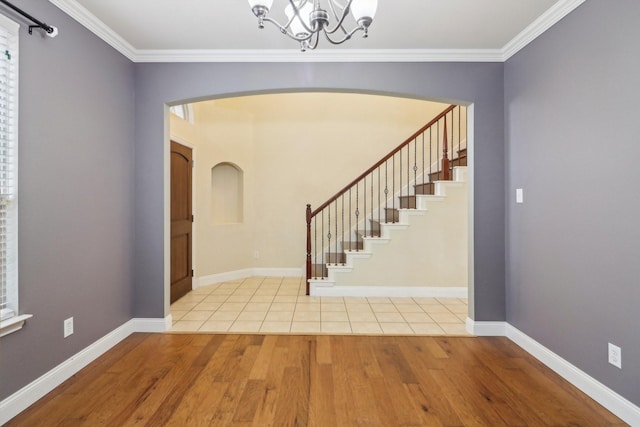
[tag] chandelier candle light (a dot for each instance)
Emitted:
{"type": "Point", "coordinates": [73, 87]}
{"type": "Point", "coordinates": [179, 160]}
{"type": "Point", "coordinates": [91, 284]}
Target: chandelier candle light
{"type": "Point", "coordinates": [307, 18]}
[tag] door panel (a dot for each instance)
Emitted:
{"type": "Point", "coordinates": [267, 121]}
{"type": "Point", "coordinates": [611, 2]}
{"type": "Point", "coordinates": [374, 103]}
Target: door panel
{"type": "Point", "coordinates": [181, 221]}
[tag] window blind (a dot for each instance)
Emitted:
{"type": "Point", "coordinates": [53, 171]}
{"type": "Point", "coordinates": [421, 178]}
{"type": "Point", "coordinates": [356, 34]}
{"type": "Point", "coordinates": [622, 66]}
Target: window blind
{"type": "Point", "coordinates": [8, 168]}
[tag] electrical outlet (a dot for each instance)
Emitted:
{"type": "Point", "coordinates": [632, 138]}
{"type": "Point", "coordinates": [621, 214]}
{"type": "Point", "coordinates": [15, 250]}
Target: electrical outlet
{"type": "Point", "coordinates": [68, 327]}
{"type": "Point", "coordinates": [615, 355]}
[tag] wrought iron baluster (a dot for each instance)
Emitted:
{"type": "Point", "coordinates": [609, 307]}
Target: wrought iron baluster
{"type": "Point", "coordinates": [357, 216]}
{"type": "Point", "coordinates": [379, 204]}
{"type": "Point", "coordinates": [364, 203]}
{"type": "Point", "coordinates": [328, 235]}
{"type": "Point", "coordinates": [415, 166]}
{"type": "Point", "coordinates": [386, 192]}
{"type": "Point", "coordinates": [371, 203]}
{"type": "Point", "coordinates": [336, 237]}
{"type": "Point", "coordinates": [344, 255]}
{"type": "Point", "coordinates": [350, 214]}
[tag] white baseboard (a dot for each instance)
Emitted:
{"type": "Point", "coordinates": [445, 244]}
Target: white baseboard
{"type": "Point", "coordinates": [390, 291]}
{"type": "Point", "coordinates": [32, 392]}
{"type": "Point", "coordinates": [602, 394]}
{"type": "Point", "coordinates": [486, 329]}
{"type": "Point", "coordinates": [243, 274]}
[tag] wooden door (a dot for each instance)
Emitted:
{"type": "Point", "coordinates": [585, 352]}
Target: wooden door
{"type": "Point", "coordinates": [181, 220]}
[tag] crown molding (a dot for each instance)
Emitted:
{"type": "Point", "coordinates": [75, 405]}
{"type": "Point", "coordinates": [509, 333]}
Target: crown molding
{"type": "Point", "coordinates": [320, 55]}
{"type": "Point", "coordinates": [539, 26]}
{"type": "Point", "coordinates": [96, 26]}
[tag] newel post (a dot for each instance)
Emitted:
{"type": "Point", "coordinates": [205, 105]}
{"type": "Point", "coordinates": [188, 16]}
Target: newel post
{"type": "Point", "coordinates": [308, 246]}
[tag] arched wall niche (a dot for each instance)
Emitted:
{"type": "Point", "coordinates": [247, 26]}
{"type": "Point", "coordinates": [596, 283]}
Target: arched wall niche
{"type": "Point", "coordinates": [227, 190]}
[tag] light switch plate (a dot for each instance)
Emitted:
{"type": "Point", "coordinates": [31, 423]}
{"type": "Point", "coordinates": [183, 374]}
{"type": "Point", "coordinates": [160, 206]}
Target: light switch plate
{"type": "Point", "coordinates": [519, 195]}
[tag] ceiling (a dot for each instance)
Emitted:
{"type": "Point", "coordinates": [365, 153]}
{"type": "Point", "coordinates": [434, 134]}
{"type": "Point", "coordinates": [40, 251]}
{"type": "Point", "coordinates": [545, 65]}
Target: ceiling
{"type": "Point", "coordinates": [403, 30]}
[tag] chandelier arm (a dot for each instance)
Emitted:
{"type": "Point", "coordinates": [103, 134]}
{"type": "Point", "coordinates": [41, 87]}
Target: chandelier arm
{"type": "Point", "coordinates": [345, 12]}
{"type": "Point", "coordinates": [314, 44]}
{"type": "Point", "coordinates": [285, 31]}
{"type": "Point", "coordinates": [296, 12]}
{"type": "Point", "coordinates": [345, 38]}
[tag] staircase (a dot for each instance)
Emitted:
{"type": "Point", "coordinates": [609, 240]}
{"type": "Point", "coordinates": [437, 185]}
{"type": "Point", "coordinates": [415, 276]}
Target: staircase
{"type": "Point", "coordinates": [360, 234]}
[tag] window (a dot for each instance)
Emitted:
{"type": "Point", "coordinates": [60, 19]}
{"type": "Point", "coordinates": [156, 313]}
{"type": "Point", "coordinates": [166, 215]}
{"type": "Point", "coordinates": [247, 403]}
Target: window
{"type": "Point", "coordinates": [8, 168]}
{"type": "Point", "coordinates": [184, 111]}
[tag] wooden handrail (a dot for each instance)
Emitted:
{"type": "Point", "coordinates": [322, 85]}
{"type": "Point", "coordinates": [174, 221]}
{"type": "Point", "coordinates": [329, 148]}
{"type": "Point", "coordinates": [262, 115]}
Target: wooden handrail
{"type": "Point", "coordinates": [380, 162]}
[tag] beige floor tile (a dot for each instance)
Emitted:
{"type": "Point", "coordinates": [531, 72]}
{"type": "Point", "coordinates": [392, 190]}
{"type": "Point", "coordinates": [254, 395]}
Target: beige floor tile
{"type": "Point", "coordinates": [216, 298]}
{"type": "Point", "coordinates": [265, 292]}
{"type": "Point", "coordinates": [187, 306]}
{"type": "Point", "coordinates": [446, 301]}
{"type": "Point", "coordinates": [426, 328]}
{"type": "Point", "coordinates": [177, 314]}
{"type": "Point", "coordinates": [225, 315]}
{"type": "Point", "coordinates": [363, 308]}
{"type": "Point", "coordinates": [232, 306]}
{"type": "Point", "coordinates": [216, 326]}
{"type": "Point", "coordinates": [423, 300]}
{"type": "Point", "coordinates": [336, 327]}
{"type": "Point", "coordinates": [355, 300]}
{"type": "Point", "coordinates": [445, 318]}
{"type": "Point", "coordinates": [208, 306]}
{"type": "Point", "coordinates": [186, 325]}
{"type": "Point", "coordinates": [409, 308]}
{"type": "Point", "coordinates": [307, 306]}
{"type": "Point", "coordinates": [362, 316]}
{"type": "Point", "coordinates": [458, 308]}
{"type": "Point", "coordinates": [192, 298]}
{"type": "Point", "coordinates": [453, 329]}
{"type": "Point", "coordinates": [334, 316]}
{"type": "Point", "coordinates": [282, 306]}
{"type": "Point", "coordinates": [332, 300]}
{"type": "Point", "coordinates": [239, 298]}
{"type": "Point", "coordinates": [227, 292]}
{"type": "Point", "coordinates": [418, 318]}
{"type": "Point", "coordinates": [402, 300]}
{"type": "Point", "coordinates": [289, 298]}
{"type": "Point", "coordinates": [306, 327]}
{"type": "Point", "coordinates": [197, 315]}
{"type": "Point", "coordinates": [204, 290]}
{"type": "Point", "coordinates": [434, 308]}
{"type": "Point", "coordinates": [279, 316]}
{"type": "Point", "coordinates": [252, 315]}
{"type": "Point", "coordinates": [274, 327]}
{"type": "Point", "coordinates": [306, 316]}
{"type": "Point", "coordinates": [310, 299]}
{"type": "Point", "coordinates": [384, 308]}
{"type": "Point", "coordinates": [366, 328]}
{"type": "Point", "coordinates": [396, 328]}
{"type": "Point", "coordinates": [257, 306]}
{"type": "Point", "coordinates": [336, 307]}
{"type": "Point", "coordinates": [463, 301]}
{"type": "Point", "coordinates": [244, 292]}
{"type": "Point", "coordinates": [262, 298]}
{"type": "Point", "coordinates": [379, 300]}
{"type": "Point", "coordinates": [390, 317]}
{"type": "Point", "coordinates": [287, 292]}
{"type": "Point", "coordinates": [245, 326]}
{"type": "Point", "coordinates": [462, 317]}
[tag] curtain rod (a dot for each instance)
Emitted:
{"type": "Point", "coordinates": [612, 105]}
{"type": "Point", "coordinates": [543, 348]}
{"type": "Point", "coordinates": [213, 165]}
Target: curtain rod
{"type": "Point", "coordinates": [49, 30]}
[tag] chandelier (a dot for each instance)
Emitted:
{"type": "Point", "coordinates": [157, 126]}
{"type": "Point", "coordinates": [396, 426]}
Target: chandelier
{"type": "Point", "coordinates": [306, 19]}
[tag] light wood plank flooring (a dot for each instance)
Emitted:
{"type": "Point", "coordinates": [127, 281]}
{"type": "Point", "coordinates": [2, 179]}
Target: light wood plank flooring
{"type": "Point", "coordinates": [321, 380]}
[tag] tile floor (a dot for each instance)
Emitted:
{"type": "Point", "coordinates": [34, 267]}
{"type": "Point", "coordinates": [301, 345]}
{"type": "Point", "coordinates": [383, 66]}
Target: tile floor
{"type": "Point", "coordinates": [279, 305]}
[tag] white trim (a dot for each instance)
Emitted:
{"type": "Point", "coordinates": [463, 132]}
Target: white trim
{"type": "Point", "coordinates": [243, 274]}
{"type": "Point", "coordinates": [96, 26]}
{"type": "Point", "coordinates": [388, 291]}
{"type": "Point", "coordinates": [152, 325]}
{"type": "Point", "coordinates": [599, 392]}
{"type": "Point", "coordinates": [13, 324]}
{"type": "Point", "coordinates": [486, 329]}
{"type": "Point", "coordinates": [539, 26]}
{"type": "Point", "coordinates": [109, 36]}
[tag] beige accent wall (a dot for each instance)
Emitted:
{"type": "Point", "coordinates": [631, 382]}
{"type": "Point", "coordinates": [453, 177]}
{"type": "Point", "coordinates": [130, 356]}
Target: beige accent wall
{"type": "Point", "coordinates": [293, 149]}
{"type": "Point", "coordinates": [431, 252]}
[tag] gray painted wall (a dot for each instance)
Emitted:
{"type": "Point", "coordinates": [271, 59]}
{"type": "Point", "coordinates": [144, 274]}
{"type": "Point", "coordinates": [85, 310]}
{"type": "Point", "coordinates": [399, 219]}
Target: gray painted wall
{"type": "Point", "coordinates": [76, 195]}
{"type": "Point", "coordinates": [481, 84]}
{"type": "Point", "coordinates": [573, 270]}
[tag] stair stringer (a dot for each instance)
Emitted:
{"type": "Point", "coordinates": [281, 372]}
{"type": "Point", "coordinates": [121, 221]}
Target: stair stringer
{"type": "Point", "coordinates": [374, 257]}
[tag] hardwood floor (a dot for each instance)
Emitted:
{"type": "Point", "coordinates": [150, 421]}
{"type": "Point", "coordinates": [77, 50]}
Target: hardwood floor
{"type": "Point", "coordinates": [262, 380]}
